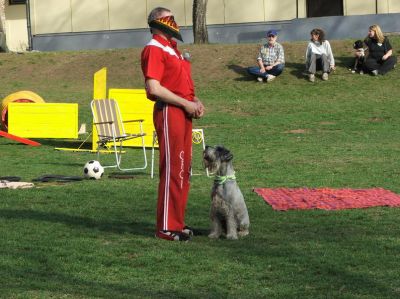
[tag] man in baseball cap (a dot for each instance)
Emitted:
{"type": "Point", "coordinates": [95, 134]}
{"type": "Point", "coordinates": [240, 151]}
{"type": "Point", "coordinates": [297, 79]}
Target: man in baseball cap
{"type": "Point", "coordinates": [270, 60]}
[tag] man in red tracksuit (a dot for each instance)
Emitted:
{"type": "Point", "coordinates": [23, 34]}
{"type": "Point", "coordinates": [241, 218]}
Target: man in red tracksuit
{"type": "Point", "coordinates": [168, 82]}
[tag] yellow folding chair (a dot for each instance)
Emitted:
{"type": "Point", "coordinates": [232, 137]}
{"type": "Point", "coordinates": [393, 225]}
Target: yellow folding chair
{"type": "Point", "coordinates": [110, 131]}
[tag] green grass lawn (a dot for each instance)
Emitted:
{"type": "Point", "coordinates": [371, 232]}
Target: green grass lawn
{"type": "Point", "coordinates": [95, 239]}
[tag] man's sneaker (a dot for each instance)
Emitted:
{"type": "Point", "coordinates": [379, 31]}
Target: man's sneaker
{"type": "Point", "coordinates": [260, 79]}
{"type": "Point", "coordinates": [325, 76]}
{"type": "Point", "coordinates": [311, 77]}
{"type": "Point", "coordinates": [270, 78]}
{"type": "Point", "coordinates": [188, 231]}
{"type": "Point", "coordinates": [375, 72]}
{"type": "Point", "coordinates": [361, 72]}
{"type": "Point", "coordinates": [173, 236]}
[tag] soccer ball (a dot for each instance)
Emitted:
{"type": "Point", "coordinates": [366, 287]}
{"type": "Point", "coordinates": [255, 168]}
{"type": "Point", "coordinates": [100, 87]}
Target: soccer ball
{"type": "Point", "coordinates": [93, 170]}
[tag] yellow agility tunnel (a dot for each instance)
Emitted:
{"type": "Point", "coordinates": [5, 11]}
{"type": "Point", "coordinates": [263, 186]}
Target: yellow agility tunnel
{"type": "Point", "coordinates": [23, 96]}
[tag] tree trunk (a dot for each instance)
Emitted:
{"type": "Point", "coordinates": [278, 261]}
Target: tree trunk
{"type": "Point", "coordinates": [200, 33]}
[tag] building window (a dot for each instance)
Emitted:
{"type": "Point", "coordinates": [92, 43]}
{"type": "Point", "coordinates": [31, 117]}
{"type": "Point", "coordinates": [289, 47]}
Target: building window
{"type": "Point", "coordinates": [324, 8]}
{"type": "Point", "coordinates": [13, 2]}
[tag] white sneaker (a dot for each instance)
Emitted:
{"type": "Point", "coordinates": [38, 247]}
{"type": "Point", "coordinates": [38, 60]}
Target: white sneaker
{"type": "Point", "coordinates": [270, 78]}
{"type": "Point", "coordinates": [260, 79]}
{"type": "Point", "coordinates": [311, 77]}
{"type": "Point", "coordinates": [325, 76]}
{"type": "Point", "coordinates": [375, 72]}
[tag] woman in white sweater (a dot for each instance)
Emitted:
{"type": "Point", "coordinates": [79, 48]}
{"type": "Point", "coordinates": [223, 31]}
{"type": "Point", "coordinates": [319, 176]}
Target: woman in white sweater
{"type": "Point", "coordinates": [319, 55]}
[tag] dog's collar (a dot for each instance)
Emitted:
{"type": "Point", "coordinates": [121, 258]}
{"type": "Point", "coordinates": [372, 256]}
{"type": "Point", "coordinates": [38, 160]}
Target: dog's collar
{"type": "Point", "coordinates": [220, 180]}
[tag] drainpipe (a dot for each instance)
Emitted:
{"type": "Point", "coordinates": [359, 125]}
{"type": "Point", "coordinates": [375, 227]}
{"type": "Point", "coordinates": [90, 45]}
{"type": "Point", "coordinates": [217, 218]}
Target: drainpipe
{"type": "Point", "coordinates": [28, 21]}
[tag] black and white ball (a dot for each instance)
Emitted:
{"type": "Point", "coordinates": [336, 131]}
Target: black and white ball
{"type": "Point", "coordinates": [93, 170]}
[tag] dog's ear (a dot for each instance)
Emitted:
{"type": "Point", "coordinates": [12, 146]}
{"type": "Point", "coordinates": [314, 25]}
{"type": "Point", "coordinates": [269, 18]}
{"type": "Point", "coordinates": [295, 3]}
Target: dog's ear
{"type": "Point", "coordinates": [226, 155]}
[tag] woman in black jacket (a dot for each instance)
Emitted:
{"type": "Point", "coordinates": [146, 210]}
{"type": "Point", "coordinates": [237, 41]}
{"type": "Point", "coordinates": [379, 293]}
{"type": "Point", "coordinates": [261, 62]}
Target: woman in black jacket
{"type": "Point", "coordinates": [380, 58]}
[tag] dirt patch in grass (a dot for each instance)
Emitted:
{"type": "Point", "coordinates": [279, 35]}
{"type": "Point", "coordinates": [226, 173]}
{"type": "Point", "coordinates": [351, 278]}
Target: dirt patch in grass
{"type": "Point", "coordinates": [297, 131]}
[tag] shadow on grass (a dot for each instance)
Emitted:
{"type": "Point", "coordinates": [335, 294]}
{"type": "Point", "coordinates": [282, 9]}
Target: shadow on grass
{"type": "Point", "coordinates": [136, 227]}
{"type": "Point", "coordinates": [299, 71]}
{"type": "Point", "coordinates": [55, 283]}
{"type": "Point", "coordinates": [344, 62]}
{"type": "Point", "coordinates": [67, 143]}
{"type": "Point", "coordinates": [240, 70]}
{"type": "Point", "coordinates": [296, 69]}
{"type": "Point", "coordinates": [64, 163]}
{"type": "Point", "coordinates": [313, 250]}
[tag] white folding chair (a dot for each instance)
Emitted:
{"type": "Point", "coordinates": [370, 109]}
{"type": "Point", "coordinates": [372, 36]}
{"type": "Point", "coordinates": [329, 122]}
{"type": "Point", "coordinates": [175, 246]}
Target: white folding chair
{"type": "Point", "coordinates": [197, 138]}
{"type": "Point", "coordinates": [110, 130]}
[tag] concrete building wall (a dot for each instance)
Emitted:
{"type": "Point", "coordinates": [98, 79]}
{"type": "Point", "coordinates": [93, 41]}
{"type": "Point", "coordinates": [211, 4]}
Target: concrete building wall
{"type": "Point", "coordinates": [340, 27]}
{"type": "Point", "coordinates": [392, 6]}
{"type": "Point", "coordinates": [279, 11]}
{"type": "Point", "coordinates": [125, 14]}
{"type": "Point", "coordinates": [58, 16]}
{"type": "Point", "coordinates": [89, 17]}
{"type": "Point", "coordinates": [363, 7]}
{"type": "Point", "coordinates": [359, 7]}
{"type": "Point", "coordinates": [107, 18]}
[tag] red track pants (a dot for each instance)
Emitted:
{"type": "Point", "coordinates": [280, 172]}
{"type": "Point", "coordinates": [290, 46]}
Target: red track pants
{"type": "Point", "coordinates": [174, 133]}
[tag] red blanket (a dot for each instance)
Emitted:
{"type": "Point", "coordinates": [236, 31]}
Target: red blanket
{"type": "Point", "coordinates": [327, 199]}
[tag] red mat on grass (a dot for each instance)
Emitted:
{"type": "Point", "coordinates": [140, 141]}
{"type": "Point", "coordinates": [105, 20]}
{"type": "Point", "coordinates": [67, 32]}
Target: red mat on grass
{"type": "Point", "coordinates": [327, 199]}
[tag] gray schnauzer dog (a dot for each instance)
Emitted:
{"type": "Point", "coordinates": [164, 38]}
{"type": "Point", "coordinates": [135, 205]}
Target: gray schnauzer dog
{"type": "Point", "coordinates": [228, 213]}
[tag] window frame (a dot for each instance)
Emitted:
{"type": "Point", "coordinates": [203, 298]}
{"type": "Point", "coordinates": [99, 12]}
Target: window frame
{"type": "Point", "coordinates": [16, 2]}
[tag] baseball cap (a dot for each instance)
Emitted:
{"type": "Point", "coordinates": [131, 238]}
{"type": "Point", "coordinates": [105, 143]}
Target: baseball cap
{"type": "Point", "coordinates": [272, 32]}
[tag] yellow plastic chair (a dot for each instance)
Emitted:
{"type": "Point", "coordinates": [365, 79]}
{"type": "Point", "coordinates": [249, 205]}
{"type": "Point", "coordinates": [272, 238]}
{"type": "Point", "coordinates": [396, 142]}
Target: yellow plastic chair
{"type": "Point", "coordinates": [110, 130]}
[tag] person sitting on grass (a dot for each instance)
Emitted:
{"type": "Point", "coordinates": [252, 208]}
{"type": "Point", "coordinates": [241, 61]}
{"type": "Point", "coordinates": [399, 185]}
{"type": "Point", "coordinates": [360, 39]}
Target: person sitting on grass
{"type": "Point", "coordinates": [270, 60]}
{"type": "Point", "coordinates": [380, 57]}
{"type": "Point", "coordinates": [319, 55]}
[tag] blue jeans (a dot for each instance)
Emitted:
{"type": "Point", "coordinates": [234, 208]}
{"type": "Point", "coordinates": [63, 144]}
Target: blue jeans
{"type": "Point", "coordinates": [275, 71]}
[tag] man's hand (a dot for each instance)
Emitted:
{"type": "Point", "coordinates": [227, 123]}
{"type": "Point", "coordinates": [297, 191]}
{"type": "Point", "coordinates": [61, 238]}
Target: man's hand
{"type": "Point", "coordinates": [190, 108]}
{"type": "Point", "coordinates": [193, 109]}
{"type": "Point", "coordinates": [199, 108]}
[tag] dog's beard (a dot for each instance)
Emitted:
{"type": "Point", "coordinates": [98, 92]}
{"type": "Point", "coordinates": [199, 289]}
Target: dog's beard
{"type": "Point", "coordinates": [212, 166]}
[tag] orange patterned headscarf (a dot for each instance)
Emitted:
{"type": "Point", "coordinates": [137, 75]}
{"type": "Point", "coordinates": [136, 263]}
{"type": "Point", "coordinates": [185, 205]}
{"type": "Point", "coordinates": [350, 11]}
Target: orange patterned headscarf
{"type": "Point", "coordinates": [167, 25]}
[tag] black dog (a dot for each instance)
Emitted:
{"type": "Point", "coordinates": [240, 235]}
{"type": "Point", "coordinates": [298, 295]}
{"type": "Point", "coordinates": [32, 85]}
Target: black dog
{"type": "Point", "coordinates": [359, 57]}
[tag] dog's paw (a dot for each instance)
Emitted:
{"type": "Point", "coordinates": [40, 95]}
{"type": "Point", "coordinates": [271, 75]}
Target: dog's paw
{"type": "Point", "coordinates": [232, 236]}
{"type": "Point", "coordinates": [243, 233]}
{"type": "Point", "coordinates": [213, 236]}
